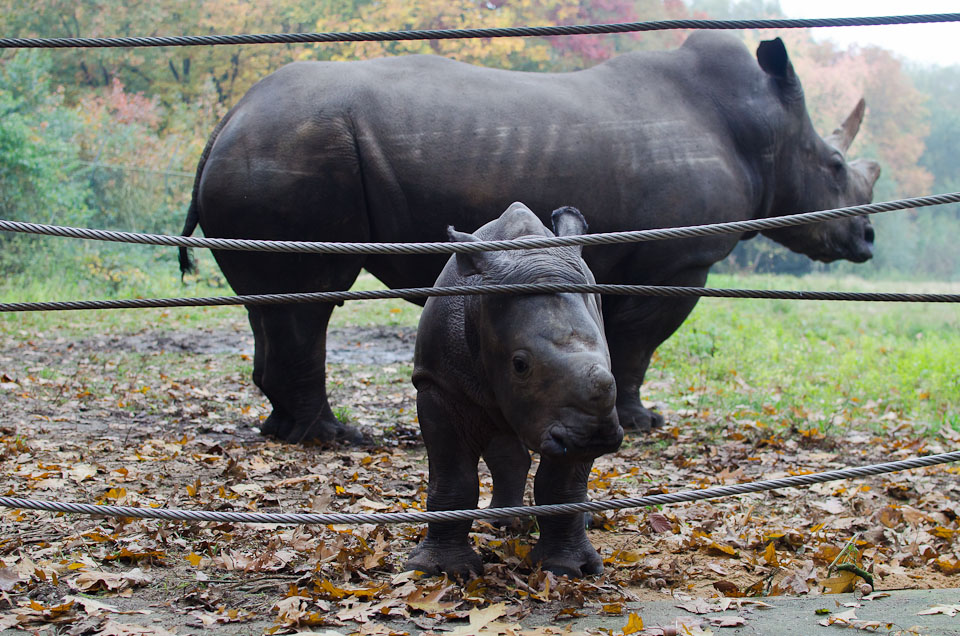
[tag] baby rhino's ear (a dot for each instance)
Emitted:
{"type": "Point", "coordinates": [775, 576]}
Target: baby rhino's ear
{"type": "Point", "coordinates": [472, 263]}
{"type": "Point", "coordinates": [567, 221]}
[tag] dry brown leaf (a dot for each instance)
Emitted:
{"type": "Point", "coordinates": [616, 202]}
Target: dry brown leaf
{"type": "Point", "coordinates": [659, 523]}
{"type": "Point", "coordinates": [113, 628]}
{"type": "Point", "coordinates": [8, 579]}
{"type": "Point", "coordinates": [96, 580]}
{"type": "Point", "coordinates": [949, 610]}
{"type": "Point", "coordinates": [948, 566]}
{"type": "Point", "coordinates": [481, 620]}
{"type": "Point", "coordinates": [727, 588]}
{"type": "Point", "coordinates": [842, 583]}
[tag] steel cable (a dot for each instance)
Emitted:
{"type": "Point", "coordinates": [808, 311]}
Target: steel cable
{"type": "Point", "coordinates": [173, 514]}
{"type": "Point", "coordinates": [607, 238]}
{"type": "Point", "coordinates": [417, 293]}
{"type": "Point", "coordinates": [449, 34]}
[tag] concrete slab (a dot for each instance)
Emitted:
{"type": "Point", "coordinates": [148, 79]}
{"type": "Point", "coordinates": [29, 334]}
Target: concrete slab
{"type": "Point", "coordinates": [797, 616]}
{"type": "Point", "coordinates": [786, 616]}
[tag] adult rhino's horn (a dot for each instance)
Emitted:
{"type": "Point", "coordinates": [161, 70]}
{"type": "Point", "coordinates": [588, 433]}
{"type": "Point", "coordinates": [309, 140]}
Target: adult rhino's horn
{"type": "Point", "coordinates": [470, 263]}
{"type": "Point", "coordinates": [843, 136]}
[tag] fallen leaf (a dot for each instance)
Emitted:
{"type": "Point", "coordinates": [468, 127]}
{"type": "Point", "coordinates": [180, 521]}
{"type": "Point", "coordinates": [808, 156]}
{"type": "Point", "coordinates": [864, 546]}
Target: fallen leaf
{"type": "Point", "coordinates": [634, 624]}
{"type": "Point", "coordinates": [949, 610]}
{"type": "Point", "coordinates": [842, 583]}
{"type": "Point", "coordinates": [8, 579]}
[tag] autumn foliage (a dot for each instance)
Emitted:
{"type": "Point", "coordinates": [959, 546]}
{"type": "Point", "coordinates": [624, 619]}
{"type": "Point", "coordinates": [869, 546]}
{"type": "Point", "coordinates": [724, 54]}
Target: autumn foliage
{"type": "Point", "coordinates": [146, 112]}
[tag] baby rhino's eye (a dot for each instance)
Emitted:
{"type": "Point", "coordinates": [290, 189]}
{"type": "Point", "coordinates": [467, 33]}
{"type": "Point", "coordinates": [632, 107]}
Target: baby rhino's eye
{"type": "Point", "coordinates": [520, 365]}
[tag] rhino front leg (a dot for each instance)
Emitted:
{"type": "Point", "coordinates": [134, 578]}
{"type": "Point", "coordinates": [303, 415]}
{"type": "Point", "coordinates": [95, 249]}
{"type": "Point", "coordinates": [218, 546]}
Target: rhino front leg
{"type": "Point", "coordinates": [453, 485]}
{"type": "Point", "coordinates": [563, 547]}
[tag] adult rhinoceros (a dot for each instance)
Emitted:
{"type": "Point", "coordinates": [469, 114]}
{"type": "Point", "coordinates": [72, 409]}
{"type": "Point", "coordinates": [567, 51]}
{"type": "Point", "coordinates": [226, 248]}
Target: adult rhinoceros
{"type": "Point", "coordinates": [397, 149]}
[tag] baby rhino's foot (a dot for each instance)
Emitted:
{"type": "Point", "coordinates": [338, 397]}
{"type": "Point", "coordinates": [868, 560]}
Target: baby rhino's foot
{"type": "Point", "coordinates": [575, 560]}
{"type": "Point", "coordinates": [433, 557]}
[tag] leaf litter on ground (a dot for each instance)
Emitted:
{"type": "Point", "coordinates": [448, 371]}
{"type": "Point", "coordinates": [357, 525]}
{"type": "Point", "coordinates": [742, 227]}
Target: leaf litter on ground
{"type": "Point", "coordinates": [151, 430]}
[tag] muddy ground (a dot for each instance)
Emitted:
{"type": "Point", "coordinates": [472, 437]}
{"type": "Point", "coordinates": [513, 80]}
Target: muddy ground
{"type": "Point", "coordinates": [162, 417]}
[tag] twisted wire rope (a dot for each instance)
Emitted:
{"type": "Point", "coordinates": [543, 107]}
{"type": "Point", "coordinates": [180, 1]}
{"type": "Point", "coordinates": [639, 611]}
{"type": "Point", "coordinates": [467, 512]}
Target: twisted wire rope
{"type": "Point", "coordinates": [417, 293]}
{"type": "Point", "coordinates": [443, 247]}
{"type": "Point", "coordinates": [173, 514]}
{"type": "Point", "coordinates": [449, 34]}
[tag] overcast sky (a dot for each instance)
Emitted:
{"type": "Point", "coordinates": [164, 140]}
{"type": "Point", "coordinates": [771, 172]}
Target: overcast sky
{"type": "Point", "coordinates": [925, 43]}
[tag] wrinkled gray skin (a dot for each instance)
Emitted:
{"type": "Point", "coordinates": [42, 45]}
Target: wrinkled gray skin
{"type": "Point", "coordinates": [498, 375]}
{"type": "Point", "coordinates": [397, 149]}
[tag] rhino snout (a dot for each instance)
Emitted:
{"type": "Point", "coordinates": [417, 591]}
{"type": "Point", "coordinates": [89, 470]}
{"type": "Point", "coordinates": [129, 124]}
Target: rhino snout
{"type": "Point", "coordinates": [578, 441]}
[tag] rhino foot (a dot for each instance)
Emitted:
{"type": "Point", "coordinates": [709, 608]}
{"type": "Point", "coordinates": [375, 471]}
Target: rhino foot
{"type": "Point", "coordinates": [456, 560]}
{"type": "Point", "coordinates": [575, 561]}
{"type": "Point", "coordinates": [635, 416]}
{"type": "Point", "coordinates": [322, 430]}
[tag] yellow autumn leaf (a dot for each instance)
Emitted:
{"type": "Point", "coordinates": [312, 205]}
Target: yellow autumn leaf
{"type": "Point", "coordinates": [194, 559]}
{"type": "Point", "coordinates": [634, 624]}
{"type": "Point", "coordinates": [718, 548]}
{"type": "Point", "coordinates": [844, 582]}
{"type": "Point", "coordinates": [770, 554]}
{"type": "Point", "coordinates": [947, 566]}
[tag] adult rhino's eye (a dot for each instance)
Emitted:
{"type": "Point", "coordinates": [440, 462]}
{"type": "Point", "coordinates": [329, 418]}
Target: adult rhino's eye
{"type": "Point", "coordinates": [520, 365]}
{"type": "Point", "coordinates": [837, 164]}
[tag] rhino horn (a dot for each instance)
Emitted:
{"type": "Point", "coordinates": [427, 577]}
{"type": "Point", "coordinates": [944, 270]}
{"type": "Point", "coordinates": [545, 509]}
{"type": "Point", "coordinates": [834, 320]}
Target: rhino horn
{"type": "Point", "coordinates": [470, 263]}
{"type": "Point", "coordinates": [843, 136]}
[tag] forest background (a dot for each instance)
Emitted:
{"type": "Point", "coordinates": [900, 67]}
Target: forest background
{"type": "Point", "coordinates": [110, 138]}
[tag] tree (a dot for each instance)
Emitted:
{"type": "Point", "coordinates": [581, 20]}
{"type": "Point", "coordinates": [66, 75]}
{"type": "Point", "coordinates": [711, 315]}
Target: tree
{"type": "Point", "coordinates": [38, 158]}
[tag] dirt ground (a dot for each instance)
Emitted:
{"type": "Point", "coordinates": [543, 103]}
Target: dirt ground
{"type": "Point", "coordinates": [162, 417]}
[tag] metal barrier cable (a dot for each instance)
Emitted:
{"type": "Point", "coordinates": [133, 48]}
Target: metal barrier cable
{"type": "Point", "coordinates": [173, 514]}
{"type": "Point", "coordinates": [607, 238]}
{"type": "Point", "coordinates": [449, 34]}
{"type": "Point", "coordinates": [416, 293]}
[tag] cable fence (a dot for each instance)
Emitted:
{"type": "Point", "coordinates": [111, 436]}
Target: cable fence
{"type": "Point", "coordinates": [172, 514]}
{"type": "Point", "coordinates": [452, 34]}
{"type": "Point", "coordinates": [472, 247]}
{"type": "Point", "coordinates": [419, 293]}
{"type": "Point", "coordinates": [446, 247]}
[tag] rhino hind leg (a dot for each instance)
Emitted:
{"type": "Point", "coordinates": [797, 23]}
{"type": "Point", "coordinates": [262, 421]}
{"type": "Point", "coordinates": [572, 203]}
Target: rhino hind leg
{"type": "Point", "coordinates": [509, 462]}
{"type": "Point", "coordinates": [635, 327]}
{"type": "Point", "coordinates": [290, 369]}
{"type": "Point", "coordinates": [563, 547]}
{"type": "Point", "coordinates": [631, 412]}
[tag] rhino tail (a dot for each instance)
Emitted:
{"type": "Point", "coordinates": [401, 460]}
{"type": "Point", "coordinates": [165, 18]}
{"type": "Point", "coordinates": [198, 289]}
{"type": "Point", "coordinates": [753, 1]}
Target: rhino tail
{"type": "Point", "coordinates": [187, 264]}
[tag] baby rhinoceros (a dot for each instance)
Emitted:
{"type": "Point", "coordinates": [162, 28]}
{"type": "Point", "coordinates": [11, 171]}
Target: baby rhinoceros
{"type": "Point", "coordinates": [498, 376]}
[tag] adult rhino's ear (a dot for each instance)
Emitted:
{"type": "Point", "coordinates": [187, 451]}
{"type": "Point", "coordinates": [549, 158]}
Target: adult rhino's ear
{"type": "Point", "coordinates": [773, 59]}
{"type": "Point", "coordinates": [567, 221]}
{"type": "Point", "coordinates": [471, 263]}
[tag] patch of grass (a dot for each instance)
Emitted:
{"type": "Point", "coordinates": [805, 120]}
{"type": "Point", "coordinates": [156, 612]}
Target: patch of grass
{"type": "Point", "coordinates": [812, 363]}
{"type": "Point", "coordinates": [801, 364]}
{"type": "Point", "coordinates": [365, 313]}
{"type": "Point", "coordinates": [162, 281]}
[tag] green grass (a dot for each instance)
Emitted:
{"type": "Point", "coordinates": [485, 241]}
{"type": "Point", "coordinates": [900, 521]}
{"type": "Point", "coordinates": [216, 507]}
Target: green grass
{"type": "Point", "coordinates": [804, 364]}
{"type": "Point", "coordinates": [813, 363]}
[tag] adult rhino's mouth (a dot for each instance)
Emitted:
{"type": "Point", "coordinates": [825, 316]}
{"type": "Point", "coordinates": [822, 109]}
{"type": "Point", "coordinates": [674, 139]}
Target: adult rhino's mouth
{"type": "Point", "coordinates": [559, 442]}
